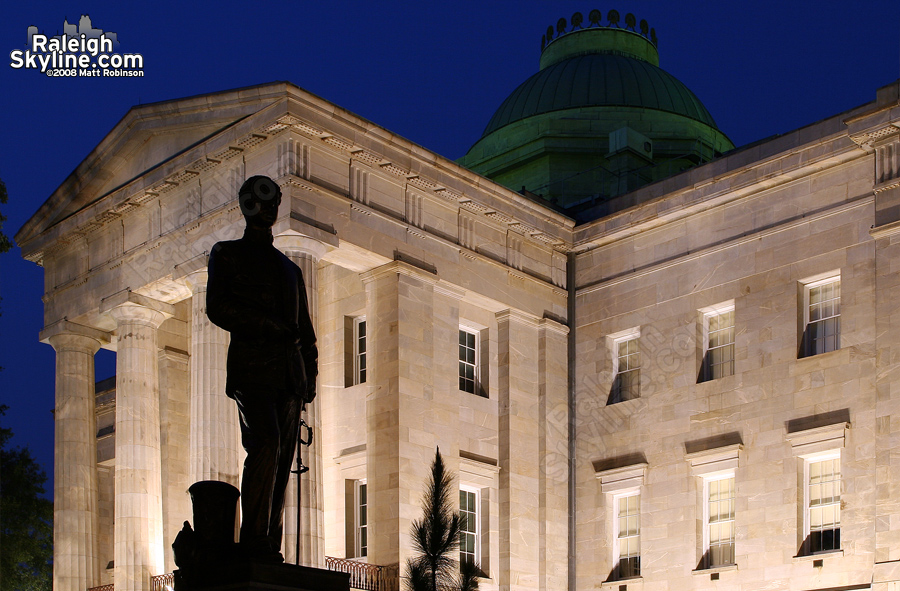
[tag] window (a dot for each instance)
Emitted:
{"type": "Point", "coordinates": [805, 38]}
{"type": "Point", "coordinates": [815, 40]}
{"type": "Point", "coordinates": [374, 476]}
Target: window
{"type": "Point", "coordinates": [822, 316]}
{"type": "Point", "coordinates": [718, 328]}
{"type": "Point", "coordinates": [355, 504]}
{"type": "Point", "coordinates": [362, 519]}
{"type": "Point", "coordinates": [623, 485]}
{"type": "Point", "coordinates": [719, 527]}
{"type": "Point", "coordinates": [819, 449]}
{"type": "Point", "coordinates": [628, 536]}
{"type": "Point", "coordinates": [627, 369]}
{"type": "Point", "coordinates": [469, 538]}
{"type": "Point", "coordinates": [468, 361]}
{"type": "Point", "coordinates": [716, 469]}
{"type": "Point", "coordinates": [823, 494]}
{"type": "Point", "coordinates": [359, 350]}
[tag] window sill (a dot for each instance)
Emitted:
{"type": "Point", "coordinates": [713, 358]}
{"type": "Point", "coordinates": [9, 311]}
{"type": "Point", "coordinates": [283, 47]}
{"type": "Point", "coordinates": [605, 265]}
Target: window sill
{"type": "Point", "coordinates": [616, 583]}
{"type": "Point", "coordinates": [818, 555]}
{"type": "Point", "coordinates": [628, 401]}
{"type": "Point", "coordinates": [825, 355]}
{"type": "Point", "coordinates": [728, 382]}
{"type": "Point", "coordinates": [715, 569]}
{"type": "Point", "coordinates": [485, 396]}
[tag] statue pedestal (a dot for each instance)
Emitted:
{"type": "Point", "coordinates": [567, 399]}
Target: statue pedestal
{"type": "Point", "coordinates": [209, 559]}
{"type": "Point", "coordinates": [255, 576]}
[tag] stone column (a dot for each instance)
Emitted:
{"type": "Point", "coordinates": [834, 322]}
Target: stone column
{"type": "Point", "coordinates": [215, 443]}
{"type": "Point", "coordinates": [138, 513]}
{"type": "Point", "coordinates": [519, 407]}
{"type": "Point", "coordinates": [306, 254]}
{"type": "Point", "coordinates": [75, 514]}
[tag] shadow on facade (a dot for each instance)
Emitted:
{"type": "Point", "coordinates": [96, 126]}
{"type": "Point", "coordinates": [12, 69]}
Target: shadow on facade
{"type": "Point", "coordinates": [818, 420]}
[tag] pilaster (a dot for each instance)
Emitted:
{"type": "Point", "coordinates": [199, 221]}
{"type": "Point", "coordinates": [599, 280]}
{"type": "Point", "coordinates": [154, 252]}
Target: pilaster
{"type": "Point", "coordinates": [553, 453]}
{"type": "Point", "coordinates": [76, 564]}
{"type": "Point", "coordinates": [519, 393]}
{"type": "Point", "coordinates": [878, 132]}
{"type": "Point", "coordinates": [400, 443]}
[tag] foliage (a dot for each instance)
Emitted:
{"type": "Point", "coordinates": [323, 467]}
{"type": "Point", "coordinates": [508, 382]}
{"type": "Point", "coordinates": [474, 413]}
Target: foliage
{"type": "Point", "coordinates": [5, 243]}
{"type": "Point", "coordinates": [436, 540]}
{"type": "Point", "coordinates": [26, 520]}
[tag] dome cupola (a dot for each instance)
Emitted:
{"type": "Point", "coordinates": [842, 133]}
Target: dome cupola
{"type": "Point", "coordinates": [598, 119]}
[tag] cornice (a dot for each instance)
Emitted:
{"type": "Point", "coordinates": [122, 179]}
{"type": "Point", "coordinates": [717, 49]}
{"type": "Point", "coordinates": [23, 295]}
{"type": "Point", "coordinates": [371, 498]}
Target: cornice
{"type": "Point", "coordinates": [716, 191]}
{"type": "Point", "coordinates": [868, 138]}
{"type": "Point", "coordinates": [885, 230]}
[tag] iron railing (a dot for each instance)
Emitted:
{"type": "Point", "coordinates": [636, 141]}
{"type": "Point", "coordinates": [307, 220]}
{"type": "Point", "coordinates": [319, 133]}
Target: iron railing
{"type": "Point", "coordinates": [164, 582]}
{"type": "Point", "coordinates": [363, 576]}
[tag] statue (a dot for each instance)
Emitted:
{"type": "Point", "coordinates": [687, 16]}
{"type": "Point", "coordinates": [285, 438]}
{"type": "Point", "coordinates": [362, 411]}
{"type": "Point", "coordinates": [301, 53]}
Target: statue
{"type": "Point", "coordinates": [257, 294]}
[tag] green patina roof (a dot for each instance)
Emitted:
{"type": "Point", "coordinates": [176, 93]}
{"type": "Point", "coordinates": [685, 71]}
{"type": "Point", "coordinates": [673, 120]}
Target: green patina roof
{"type": "Point", "coordinates": [599, 119]}
{"type": "Point", "coordinates": [599, 80]}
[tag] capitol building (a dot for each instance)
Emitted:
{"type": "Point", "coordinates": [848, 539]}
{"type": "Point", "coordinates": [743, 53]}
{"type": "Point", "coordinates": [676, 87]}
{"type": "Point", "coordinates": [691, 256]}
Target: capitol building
{"type": "Point", "coordinates": [653, 360]}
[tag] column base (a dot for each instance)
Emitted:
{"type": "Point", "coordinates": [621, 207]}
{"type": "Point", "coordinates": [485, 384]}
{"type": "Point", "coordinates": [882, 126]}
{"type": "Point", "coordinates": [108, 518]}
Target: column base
{"type": "Point", "coordinates": [254, 576]}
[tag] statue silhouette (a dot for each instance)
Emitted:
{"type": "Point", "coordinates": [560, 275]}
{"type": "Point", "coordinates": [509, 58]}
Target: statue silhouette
{"type": "Point", "coordinates": [257, 294]}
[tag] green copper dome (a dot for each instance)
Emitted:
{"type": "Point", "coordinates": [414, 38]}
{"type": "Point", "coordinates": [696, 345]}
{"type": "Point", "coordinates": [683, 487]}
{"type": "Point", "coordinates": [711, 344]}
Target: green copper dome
{"type": "Point", "coordinates": [599, 80]}
{"type": "Point", "coordinates": [599, 119]}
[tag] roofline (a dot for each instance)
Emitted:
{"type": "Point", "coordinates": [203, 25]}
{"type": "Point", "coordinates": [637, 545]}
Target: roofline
{"type": "Point", "coordinates": [74, 180]}
{"type": "Point", "coordinates": [284, 90]}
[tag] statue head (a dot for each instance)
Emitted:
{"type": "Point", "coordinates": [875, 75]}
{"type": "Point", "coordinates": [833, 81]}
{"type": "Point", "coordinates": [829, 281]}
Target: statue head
{"type": "Point", "coordinates": [259, 198]}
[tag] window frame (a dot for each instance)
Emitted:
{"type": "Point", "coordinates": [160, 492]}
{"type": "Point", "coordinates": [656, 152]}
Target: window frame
{"type": "Point", "coordinates": [617, 555]}
{"type": "Point", "coordinates": [809, 285]}
{"type": "Point", "coordinates": [708, 314]}
{"type": "Point", "coordinates": [476, 532]}
{"type": "Point", "coordinates": [360, 359]}
{"type": "Point", "coordinates": [707, 554]}
{"type": "Point", "coordinates": [360, 550]}
{"type": "Point", "coordinates": [616, 341]}
{"type": "Point", "coordinates": [808, 460]}
{"type": "Point", "coordinates": [478, 388]}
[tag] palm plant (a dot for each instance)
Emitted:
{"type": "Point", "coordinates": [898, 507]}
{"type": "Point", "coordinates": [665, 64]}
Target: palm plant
{"type": "Point", "coordinates": [436, 539]}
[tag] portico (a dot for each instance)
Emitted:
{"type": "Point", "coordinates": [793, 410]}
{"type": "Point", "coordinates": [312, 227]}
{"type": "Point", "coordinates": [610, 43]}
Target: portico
{"type": "Point", "coordinates": [124, 244]}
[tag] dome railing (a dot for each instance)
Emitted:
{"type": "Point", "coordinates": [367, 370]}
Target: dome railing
{"type": "Point", "coordinates": [595, 20]}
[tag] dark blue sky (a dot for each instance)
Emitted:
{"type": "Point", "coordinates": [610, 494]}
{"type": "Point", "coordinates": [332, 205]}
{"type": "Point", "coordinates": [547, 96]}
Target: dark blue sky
{"type": "Point", "coordinates": [433, 72]}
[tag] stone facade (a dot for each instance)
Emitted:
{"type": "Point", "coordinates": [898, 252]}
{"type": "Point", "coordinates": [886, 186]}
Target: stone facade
{"type": "Point", "coordinates": [418, 248]}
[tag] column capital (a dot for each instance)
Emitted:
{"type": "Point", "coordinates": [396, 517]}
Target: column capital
{"type": "Point", "coordinates": [517, 316]}
{"type": "Point", "coordinates": [304, 244]}
{"type": "Point", "coordinates": [549, 325]}
{"type": "Point", "coordinates": [399, 268]}
{"type": "Point", "coordinates": [65, 335]}
{"type": "Point", "coordinates": [449, 290]}
{"type": "Point", "coordinates": [197, 280]}
{"type": "Point", "coordinates": [129, 306]}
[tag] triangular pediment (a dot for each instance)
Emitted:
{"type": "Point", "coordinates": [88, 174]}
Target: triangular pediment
{"type": "Point", "coordinates": [145, 138]}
